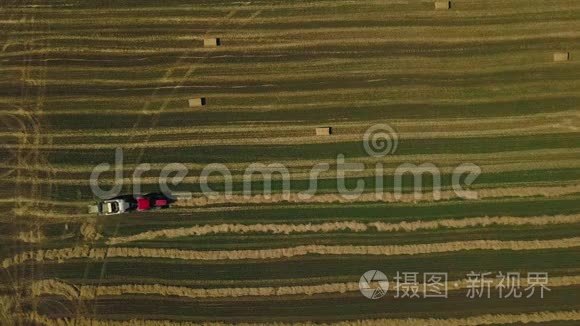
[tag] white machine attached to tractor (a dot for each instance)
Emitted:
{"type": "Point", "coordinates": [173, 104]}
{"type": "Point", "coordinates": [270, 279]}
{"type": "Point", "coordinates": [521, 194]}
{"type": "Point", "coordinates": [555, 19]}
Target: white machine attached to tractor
{"type": "Point", "coordinates": [130, 203]}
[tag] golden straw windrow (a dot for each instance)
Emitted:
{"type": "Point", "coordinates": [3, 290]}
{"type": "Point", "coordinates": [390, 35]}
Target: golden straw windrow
{"type": "Point", "coordinates": [487, 319]}
{"type": "Point", "coordinates": [89, 292]}
{"type": "Point", "coordinates": [350, 226]}
{"type": "Point", "coordinates": [62, 255]}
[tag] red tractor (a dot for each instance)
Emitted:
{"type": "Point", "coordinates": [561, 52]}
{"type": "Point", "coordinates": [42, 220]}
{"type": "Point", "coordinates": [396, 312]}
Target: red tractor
{"type": "Point", "coordinates": [129, 203]}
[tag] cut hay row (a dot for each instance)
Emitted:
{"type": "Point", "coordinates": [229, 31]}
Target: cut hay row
{"type": "Point", "coordinates": [507, 158]}
{"type": "Point", "coordinates": [34, 214]}
{"type": "Point", "coordinates": [64, 254]}
{"type": "Point", "coordinates": [38, 214]}
{"type": "Point", "coordinates": [400, 94]}
{"type": "Point", "coordinates": [394, 65]}
{"type": "Point", "coordinates": [376, 34]}
{"type": "Point", "coordinates": [298, 44]}
{"type": "Point", "coordinates": [261, 104]}
{"type": "Point", "coordinates": [350, 226]}
{"type": "Point", "coordinates": [281, 79]}
{"type": "Point", "coordinates": [377, 72]}
{"type": "Point", "coordinates": [438, 95]}
{"type": "Point", "coordinates": [442, 128]}
{"type": "Point", "coordinates": [261, 23]}
{"type": "Point", "coordinates": [203, 7]}
{"type": "Point", "coordinates": [486, 319]}
{"type": "Point", "coordinates": [426, 7]}
{"type": "Point", "coordinates": [31, 236]}
{"type": "Point", "coordinates": [8, 304]}
{"type": "Point", "coordinates": [55, 287]}
{"type": "Point", "coordinates": [11, 200]}
{"type": "Point", "coordinates": [200, 230]}
{"type": "Point", "coordinates": [408, 34]}
{"type": "Point", "coordinates": [505, 31]}
{"type": "Point", "coordinates": [320, 103]}
{"type": "Point", "coordinates": [295, 175]}
{"type": "Point", "coordinates": [112, 78]}
{"type": "Point", "coordinates": [287, 39]}
{"type": "Point", "coordinates": [297, 12]}
{"type": "Point", "coordinates": [338, 138]}
{"type": "Point", "coordinates": [387, 197]}
{"type": "Point", "coordinates": [406, 125]}
{"type": "Point", "coordinates": [267, 25]}
{"type": "Point", "coordinates": [90, 292]}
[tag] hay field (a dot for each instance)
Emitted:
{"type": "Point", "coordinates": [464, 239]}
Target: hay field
{"type": "Point", "coordinates": [476, 84]}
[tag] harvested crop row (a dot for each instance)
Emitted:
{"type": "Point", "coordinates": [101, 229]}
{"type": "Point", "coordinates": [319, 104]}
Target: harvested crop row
{"type": "Point", "coordinates": [487, 319]}
{"type": "Point", "coordinates": [383, 197]}
{"type": "Point", "coordinates": [264, 76]}
{"type": "Point", "coordinates": [539, 157]}
{"type": "Point", "coordinates": [304, 139]}
{"type": "Point", "coordinates": [294, 174]}
{"type": "Point", "coordinates": [376, 67]}
{"type": "Point", "coordinates": [505, 32]}
{"type": "Point", "coordinates": [350, 226]}
{"type": "Point", "coordinates": [61, 255]}
{"type": "Point", "coordinates": [297, 44]}
{"type": "Point", "coordinates": [490, 62]}
{"type": "Point", "coordinates": [89, 292]}
{"type": "Point", "coordinates": [315, 67]}
{"type": "Point", "coordinates": [321, 103]}
{"type": "Point", "coordinates": [407, 128]}
{"type": "Point", "coordinates": [366, 9]}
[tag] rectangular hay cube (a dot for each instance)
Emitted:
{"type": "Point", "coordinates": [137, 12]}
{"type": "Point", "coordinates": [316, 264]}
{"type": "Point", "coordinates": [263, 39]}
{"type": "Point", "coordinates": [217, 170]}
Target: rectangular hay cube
{"type": "Point", "coordinates": [323, 131]}
{"type": "Point", "coordinates": [442, 5]}
{"type": "Point", "coordinates": [561, 56]}
{"type": "Point", "coordinates": [197, 101]}
{"type": "Point", "coordinates": [211, 42]}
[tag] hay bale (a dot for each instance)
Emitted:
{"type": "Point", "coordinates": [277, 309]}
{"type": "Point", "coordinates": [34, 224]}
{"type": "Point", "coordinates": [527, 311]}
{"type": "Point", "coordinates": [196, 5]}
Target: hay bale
{"type": "Point", "coordinates": [442, 5]}
{"type": "Point", "coordinates": [196, 101]}
{"type": "Point", "coordinates": [211, 42]}
{"type": "Point", "coordinates": [561, 56]}
{"type": "Point", "coordinates": [323, 131]}
{"type": "Point", "coordinates": [90, 232]}
{"type": "Point", "coordinates": [32, 236]}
